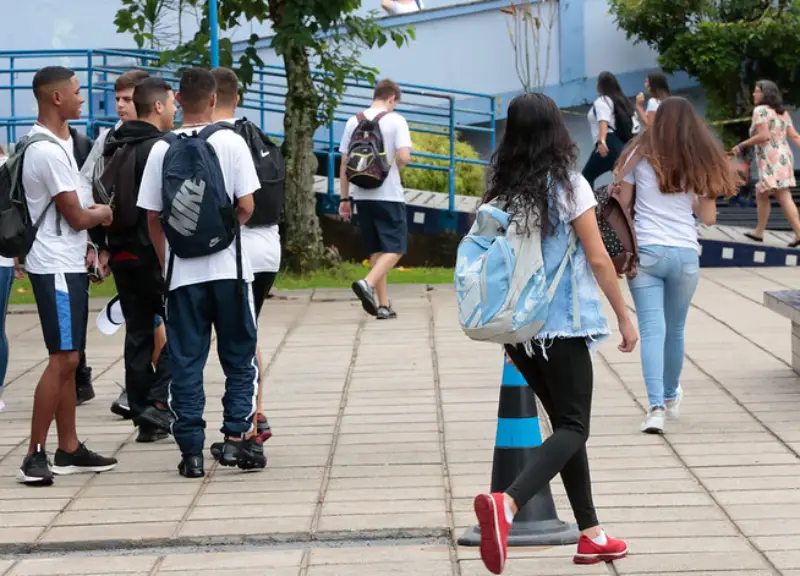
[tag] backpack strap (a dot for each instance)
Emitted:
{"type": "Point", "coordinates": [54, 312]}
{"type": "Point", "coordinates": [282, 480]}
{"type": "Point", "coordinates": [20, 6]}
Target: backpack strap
{"type": "Point", "coordinates": [380, 116]}
{"type": "Point", "coordinates": [210, 130]}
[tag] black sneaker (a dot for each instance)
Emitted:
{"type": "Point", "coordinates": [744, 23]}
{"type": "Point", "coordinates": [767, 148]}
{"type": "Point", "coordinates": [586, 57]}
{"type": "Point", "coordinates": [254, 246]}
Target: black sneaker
{"type": "Point", "coordinates": [84, 391]}
{"type": "Point", "coordinates": [156, 417]}
{"type": "Point", "coordinates": [366, 293]}
{"type": "Point", "coordinates": [121, 406]}
{"type": "Point", "coordinates": [262, 427]}
{"type": "Point", "coordinates": [191, 467]}
{"type": "Point", "coordinates": [251, 454]}
{"type": "Point", "coordinates": [35, 469]}
{"type": "Point", "coordinates": [148, 434]}
{"type": "Point", "coordinates": [81, 461]}
{"type": "Point", "coordinates": [228, 453]}
{"type": "Point", "coordinates": [386, 313]}
{"type": "Point", "coordinates": [216, 450]}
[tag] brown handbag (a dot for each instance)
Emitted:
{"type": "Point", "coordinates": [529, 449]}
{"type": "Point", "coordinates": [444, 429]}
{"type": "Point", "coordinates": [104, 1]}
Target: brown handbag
{"type": "Point", "coordinates": [615, 218]}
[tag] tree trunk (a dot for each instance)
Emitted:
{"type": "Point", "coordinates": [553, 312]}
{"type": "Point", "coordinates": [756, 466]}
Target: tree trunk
{"type": "Point", "coordinates": [303, 246]}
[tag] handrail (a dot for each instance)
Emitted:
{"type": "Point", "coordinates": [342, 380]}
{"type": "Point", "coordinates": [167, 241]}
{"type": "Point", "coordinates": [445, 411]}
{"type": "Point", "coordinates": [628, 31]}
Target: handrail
{"type": "Point", "coordinates": [429, 109]}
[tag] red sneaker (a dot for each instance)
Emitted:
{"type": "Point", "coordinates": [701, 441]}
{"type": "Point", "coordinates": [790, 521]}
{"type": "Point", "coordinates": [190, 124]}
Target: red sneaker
{"type": "Point", "coordinates": [491, 513]}
{"type": "Point", "coordinates": [591, 553]}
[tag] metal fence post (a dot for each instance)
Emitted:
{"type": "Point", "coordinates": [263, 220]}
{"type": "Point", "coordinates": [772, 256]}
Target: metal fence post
{"type": "Point", "coordinates": [12, 132]}
{"type": "Point", "coordinates": [493, 123]}
{"type": "Point", "coordinates": [451, 184]}
{"type": "Point", "coordinates": [90, 99]}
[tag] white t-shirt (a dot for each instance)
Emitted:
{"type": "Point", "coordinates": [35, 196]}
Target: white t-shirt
{"type": "Point", "coordinates": [582, 201]}
{"type": "Point", "coordinates": [652, 105]}
{"type": "Point", "coordinates": [262, 245]}
{"type": "Point", "coordinates": [5, 262]}
{"type": "Point", "coordinates": [661, 219]}
{"type": "Point", "coordinates": [396, 135]}
{"type": "Point", "coordinates": [404, 8]}
{"type": "Point", "coordinates": [241, 180]}
{"type": "Point", "coordinates": [48, 170]}
{"type": "Point", "coordinates": [602, 109]}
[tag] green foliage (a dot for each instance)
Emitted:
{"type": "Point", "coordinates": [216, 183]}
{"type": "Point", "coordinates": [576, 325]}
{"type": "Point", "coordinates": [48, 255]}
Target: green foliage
{"type": "Point", "coordinates": [469, 177]}
{"type": "Point", "coordinates": [728, 45]}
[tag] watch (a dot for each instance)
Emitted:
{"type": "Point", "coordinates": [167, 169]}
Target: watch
{"type": "Point", "coordinates": [344, 199]}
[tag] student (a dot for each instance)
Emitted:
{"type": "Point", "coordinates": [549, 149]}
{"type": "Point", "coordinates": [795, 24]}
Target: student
{"type": "Point", "coordinates": [261, 244]}
{"type": "Point", "coordinates": [671, 160]}
{"type": "Point", "coordinates": [657, 87]}
{"type": "Point", "coordinates": [7, 273]}
{"type": "Point", "coordinates": [208, 291]}
{"type": "Point", "coordinates": [534, 170]}
{"type": "Point", "coordinates": [381, 211]}
{"type": "Point", "coordinates": [610, 108]}
{"type": "Point", "coordinates": [56, 265]}
{"type": "Point", "coordinates": [132, 259]}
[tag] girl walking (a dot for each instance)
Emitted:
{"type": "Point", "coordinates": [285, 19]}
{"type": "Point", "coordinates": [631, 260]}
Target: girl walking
{"type": "Point", "coordinates": [678, 169]}
{"type": "Point", "coordinates": [769, 131]}
{"type": "Point", "coordinates": [657, 87]}
{"type": "Point", "coordinates": [7, 274]}
{"type": "Point", "coordinates": [534, 173]}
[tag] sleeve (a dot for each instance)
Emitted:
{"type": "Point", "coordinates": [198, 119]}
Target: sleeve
{"type": "Point", "coordinates": [150, 188]}
{"type": "Point", "coordinates": [760, 115]}
{"type": "Point", "coordinates": [51, 166]}
{"type": "Point", "coordinates": [245, 176]}
{"type": "Point", "coordinates": [582, 199]}
{"type": "Point", "coordinates": [652, 105]}
{"type": "Point", "coordinates": [402, 137]}
{"type": "Point", "coordinates": [603, 111]}
{"type": "Point", "coordinates": [344, 145]}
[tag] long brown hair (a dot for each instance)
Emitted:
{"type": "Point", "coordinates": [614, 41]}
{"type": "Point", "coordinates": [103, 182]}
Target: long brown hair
{"type": "Point", "coordinates": [683, 152]}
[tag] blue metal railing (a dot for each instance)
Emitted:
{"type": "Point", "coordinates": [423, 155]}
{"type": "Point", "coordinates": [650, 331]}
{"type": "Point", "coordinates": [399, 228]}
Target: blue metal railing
{"type": "Point", "coordinates": [429, 110]}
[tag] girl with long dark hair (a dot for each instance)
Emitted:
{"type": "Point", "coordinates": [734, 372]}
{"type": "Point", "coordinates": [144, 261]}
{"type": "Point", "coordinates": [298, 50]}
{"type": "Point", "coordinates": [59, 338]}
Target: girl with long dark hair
{"type": "Point", "coordinates": [657, 87]}
{"type": "Point", "coordinates": [769, 133]}
{"type": "Point", "coordinates": [534, 178]}
{"type": "Point", "coordinates": [610, 105]}
{"type": "Point", "coordinates": [679, 169]}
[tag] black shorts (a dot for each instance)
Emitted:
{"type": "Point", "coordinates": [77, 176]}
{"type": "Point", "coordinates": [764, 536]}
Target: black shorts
{"type": "Point", "coordinates": [384, 226]}
{"type": "Point", "coordinates": [63, 304]}
{"type": "Point", "coordinates": [262, 284]}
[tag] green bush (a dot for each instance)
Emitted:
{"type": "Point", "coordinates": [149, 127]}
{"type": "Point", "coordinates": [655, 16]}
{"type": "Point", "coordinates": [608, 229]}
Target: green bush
{"type": "Point", "coordinates": [469, 177]}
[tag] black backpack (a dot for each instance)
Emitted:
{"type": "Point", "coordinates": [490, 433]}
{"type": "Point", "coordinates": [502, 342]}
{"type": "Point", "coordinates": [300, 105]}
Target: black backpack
{"type": "Point", "coordinates": [367, 166]}
{"type": "Point", "coordinates": [623, 124]}
{"type": "Point", "coordinates": [271, 169]}
{"type": "Point", "coordinates": [81, 146]}
{"type": "Point", "coordinates": [114, 184]}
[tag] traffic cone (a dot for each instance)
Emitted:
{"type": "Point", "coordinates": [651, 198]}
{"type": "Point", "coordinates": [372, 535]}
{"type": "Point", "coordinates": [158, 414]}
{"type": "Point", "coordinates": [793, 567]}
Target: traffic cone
{"type": "Point", "coordinates": [518, 438]}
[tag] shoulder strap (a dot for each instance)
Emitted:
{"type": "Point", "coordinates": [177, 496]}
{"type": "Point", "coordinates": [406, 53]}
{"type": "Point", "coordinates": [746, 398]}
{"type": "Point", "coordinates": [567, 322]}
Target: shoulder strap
{"type": "Point", "coordinates": [360, 117]}
{"type": "Point", "coordinates": [209, 131]}
{"type": "Point", "coordinates": [170, 138]}
{"type": "Point", "coordinates": [380, 116]}
{"type": "Point", "coordinates": [629, 165]}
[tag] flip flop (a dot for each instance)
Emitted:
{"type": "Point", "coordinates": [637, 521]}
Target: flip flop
{"type": "Point", "coordinates": [753, 237]}
{"type": "Point", "coordinates": [795, 244]}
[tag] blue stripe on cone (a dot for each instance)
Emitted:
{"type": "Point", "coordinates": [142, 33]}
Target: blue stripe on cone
{"type": "Point", "coordinates": [518, 433]}
{"type": "Point", "coordinates": [512, 376]}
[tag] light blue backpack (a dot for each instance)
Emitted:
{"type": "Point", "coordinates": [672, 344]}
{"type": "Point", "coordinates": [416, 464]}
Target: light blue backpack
{"type": "Point", "coordinates": [500, 279]}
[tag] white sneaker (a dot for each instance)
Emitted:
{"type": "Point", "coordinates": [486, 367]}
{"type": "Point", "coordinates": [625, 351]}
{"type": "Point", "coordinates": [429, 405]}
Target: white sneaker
{"type": "Point", "coordinates": [674, 405]}
{"type": "Point", "coordinates": [2, 405]}
{"type": "Point", "coordinates": [654, 421]}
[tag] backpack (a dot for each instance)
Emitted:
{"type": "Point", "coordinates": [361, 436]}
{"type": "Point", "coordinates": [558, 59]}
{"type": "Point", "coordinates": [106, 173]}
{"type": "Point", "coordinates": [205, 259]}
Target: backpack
{"type": "Point", "coordinates": [615, 220]}
{"type": "Point", "coordinates": [500, 279]}
{"type": "Point", "coordinates": [17, 230]}
{"type": "Point", "coordinates": [114, 184]}
{"type": "Point", "coordinates": [271, 169]}
{"type": "Point", "coordinates": [81, 146]}
{"type": "Point", "coordinates": [367, 166]}
{"type": "Point", "coordinates": [625, 127]}
{"type": "Point", "coordinates": [198, 216]}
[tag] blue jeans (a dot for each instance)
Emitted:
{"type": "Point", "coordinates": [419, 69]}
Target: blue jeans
{"type": "Point", "coordinates": [6, 281]}
{"type": "Point", "coordinates": [662, 292]}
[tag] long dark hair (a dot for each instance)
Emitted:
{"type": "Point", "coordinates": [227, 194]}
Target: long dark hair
{"type": "Point", "coordinates": [659, 87]}
{"type": "Point", "coordinates": [683, 152]}
{"type": "Point", "coordinates": [607, 85]}
{"type": "Point", "coordinates": [534, 158]}
{"type": "Point", "coordinates": [771, 96]}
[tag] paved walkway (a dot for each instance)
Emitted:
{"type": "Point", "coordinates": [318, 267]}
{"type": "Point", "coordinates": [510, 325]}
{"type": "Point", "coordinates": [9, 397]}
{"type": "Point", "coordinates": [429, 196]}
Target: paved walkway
{"type": "Point", "coordinates": [384, 432]}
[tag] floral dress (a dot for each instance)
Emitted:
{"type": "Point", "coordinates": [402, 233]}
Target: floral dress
{"type": "Point", "coordinates": [774, 158]}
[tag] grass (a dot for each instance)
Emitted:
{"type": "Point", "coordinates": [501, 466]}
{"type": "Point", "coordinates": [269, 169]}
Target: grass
{"type": "Point", "coordinates": [339, 277]}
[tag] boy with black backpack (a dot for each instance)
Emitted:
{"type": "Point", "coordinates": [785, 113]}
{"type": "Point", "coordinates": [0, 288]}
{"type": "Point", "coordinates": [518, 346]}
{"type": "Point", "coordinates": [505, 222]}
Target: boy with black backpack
{"type": "Point", "coordinates": [375, 145]}
{"type": "Point", "coordinates": [198, 188]}
{"type": "Point", "coordinates": [261, 238]}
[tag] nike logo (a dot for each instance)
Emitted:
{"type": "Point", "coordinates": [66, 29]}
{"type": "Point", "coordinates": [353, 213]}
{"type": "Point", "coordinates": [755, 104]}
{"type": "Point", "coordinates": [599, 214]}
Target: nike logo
{"type": "Point", "coordinates": [214, 242]}
{"type": "Point", "coordinates": [265, 153]}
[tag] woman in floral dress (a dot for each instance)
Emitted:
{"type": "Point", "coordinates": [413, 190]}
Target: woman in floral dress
{"type": "Point", "coordinates": [771, 128]}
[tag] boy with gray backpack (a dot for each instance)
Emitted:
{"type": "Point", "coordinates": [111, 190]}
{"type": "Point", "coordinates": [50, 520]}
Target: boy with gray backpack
{"type": "Point", "coordinates": [198, 187]}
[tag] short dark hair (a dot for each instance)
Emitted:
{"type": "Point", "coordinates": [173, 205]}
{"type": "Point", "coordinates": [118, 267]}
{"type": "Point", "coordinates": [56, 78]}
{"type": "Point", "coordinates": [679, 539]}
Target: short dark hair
{"type": "Point", "coordinates": [771, 96]}
{"type": "Point", "coordinates": [150, 91]}
{"type": "Point", "coordinates": [385, 89]}
{"type": "Point", "coordinates": [50, 75]}
{"type": "Point", "coordinates": [197, 87]}
{"type": "Point", "coordinates": [227, 86]}
{"type": "Point", "coordinates": [131, 79]}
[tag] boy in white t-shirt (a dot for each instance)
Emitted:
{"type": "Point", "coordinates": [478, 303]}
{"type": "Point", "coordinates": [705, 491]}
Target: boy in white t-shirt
{"type": "Point", "coordinates": [56, 265]}
{"type": "Point", "coordinates": [207, 291]}
{"type": "Point", "coordinates": [381, 211]}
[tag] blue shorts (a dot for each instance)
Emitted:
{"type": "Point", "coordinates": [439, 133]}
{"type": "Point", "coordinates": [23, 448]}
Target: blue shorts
{"type": "Point", "coordinates": [62, 300]}
{"type": "Point", "coordinates": [383, 226]}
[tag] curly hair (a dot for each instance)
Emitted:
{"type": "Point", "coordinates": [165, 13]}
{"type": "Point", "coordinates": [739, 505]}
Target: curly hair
{"type": "Point", "coordinates": [535, 157]}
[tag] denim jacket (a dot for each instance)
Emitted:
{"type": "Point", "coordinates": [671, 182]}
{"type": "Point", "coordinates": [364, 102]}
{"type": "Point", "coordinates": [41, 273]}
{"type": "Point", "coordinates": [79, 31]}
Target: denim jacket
{"type": "Point", "coordinates": [575, 309]}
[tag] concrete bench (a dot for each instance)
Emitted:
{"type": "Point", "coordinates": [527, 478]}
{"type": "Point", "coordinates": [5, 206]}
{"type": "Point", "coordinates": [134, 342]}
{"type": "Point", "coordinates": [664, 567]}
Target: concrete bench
{"type": "Point", "coordinates": [787, 303]}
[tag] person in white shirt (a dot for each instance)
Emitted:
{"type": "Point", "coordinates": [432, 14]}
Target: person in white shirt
{"type": "Point", "coordinates": [678, 170]}
{"type": "Point", "coordinates": [382, 215]}
{"type": "Point", "coordinates": [393, 7]}
{"type": "Point", "coordinates": [657, 87]}
{"type": "Point", "coordinates": [261, 244]}
{"type": "Point", "coordinates": [208, 291]}
{"type": "Point", "coordinates": [57, 264]}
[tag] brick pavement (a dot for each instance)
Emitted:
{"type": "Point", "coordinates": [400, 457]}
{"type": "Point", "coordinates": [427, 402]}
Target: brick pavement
{"type": "Point", "coordinates": [384, 433]}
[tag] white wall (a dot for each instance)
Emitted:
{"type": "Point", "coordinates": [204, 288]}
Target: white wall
{"type": "Point", "coordinates": [607, 47]}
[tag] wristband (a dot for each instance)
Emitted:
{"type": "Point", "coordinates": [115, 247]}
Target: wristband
{"type": "Point", "coordinates": [344, 199]}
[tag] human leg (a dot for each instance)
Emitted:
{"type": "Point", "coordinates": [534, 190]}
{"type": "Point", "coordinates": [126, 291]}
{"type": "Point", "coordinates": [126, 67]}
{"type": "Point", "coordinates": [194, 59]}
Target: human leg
{"type": "Point", "coordinates": [763, 209]}
{"type": "Point", "coordinates": [6, 282]}
{"type": "Point", "coordinates": [790, 211]}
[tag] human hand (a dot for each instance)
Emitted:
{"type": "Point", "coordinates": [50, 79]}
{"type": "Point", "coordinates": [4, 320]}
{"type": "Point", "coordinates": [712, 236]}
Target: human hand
{"type": "Point", "coordinates": [630, 335]}
{"type": "Point", "coordinates": [103, 266]}
{"type": "Point", "coordinates": [19, 271]}
{"type": "Point", "coordinates": [640, 99]}
{"type": "Point", "coordinates": [346, 210]}
{"type": "Point", "coordinates": [102, 214]}
{"type": "Point", "coordinates": [602, 149]}
{"type": "Point", "coordinates": [737, 150]}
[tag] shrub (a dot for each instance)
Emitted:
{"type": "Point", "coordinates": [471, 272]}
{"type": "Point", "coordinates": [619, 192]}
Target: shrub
{"type": "Point", "coordinates": [469, 177]}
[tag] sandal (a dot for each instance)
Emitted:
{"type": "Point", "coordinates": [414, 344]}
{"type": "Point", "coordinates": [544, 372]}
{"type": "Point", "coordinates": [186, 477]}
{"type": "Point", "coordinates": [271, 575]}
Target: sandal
{"type": "Point", "coordinates": [795, 244]}
{"type": "Point", "coordinates": [753, 237]}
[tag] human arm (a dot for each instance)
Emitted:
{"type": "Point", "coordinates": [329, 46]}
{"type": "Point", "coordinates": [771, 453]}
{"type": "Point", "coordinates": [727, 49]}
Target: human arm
{"type": "Point", "coordinates": [157, 237]}
{"type": "Point", "coordinates": [244, 208]}
{"type": "Point", "coordinates": [79, 218]}
{"type": "Point", "coordinates": [402, 142]}
{"type": "Point", "coordinates": [761, 125]}
{"type": "Point", "coordinates": [793, 135]}
{"type": "Point", "coordinates": [388, 6]}
{"type": "Point", "coordinates": [150, 198]}
{"type": "Point", "coordinates": [603, 113]}
{"type": "Point", "coordinates": [646, 120]}
{"type": "Point", "coordinates": [705, 208]}
{"type": "Point", "coordinates": [345, 202]}
{"type": "Point", "coordinates": [246, 180]}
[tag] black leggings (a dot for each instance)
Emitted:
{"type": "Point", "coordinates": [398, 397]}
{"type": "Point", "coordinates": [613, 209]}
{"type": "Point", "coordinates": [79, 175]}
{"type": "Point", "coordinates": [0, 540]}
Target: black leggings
{"type": "Point", "coordinates": [596, 166]}
{"type": "Point", "coordinates": [564, 384]}
{"type": "Point", "coordinates": [262, 284]}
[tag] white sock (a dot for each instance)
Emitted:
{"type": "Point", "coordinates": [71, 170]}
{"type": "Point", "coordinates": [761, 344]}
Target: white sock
{"type": "Point", "coordinates": [509, 514]}
{"type": "Point", "coordinates": [601, 540]}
